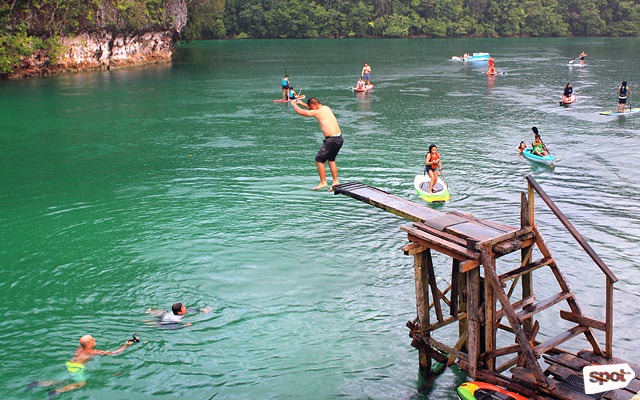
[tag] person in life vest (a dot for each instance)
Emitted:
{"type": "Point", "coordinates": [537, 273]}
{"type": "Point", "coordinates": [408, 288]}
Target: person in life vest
{"type": "Point", "coordinates": [566, 95]}
{"type": "Point", "coordinates": [492, 68]}
{"type": "Point", "coordinates": [292, 94]}
{"type": "Point", "coordinates": [285, 87]}
{"type": "Point", "coordinates": [623, 90]}
{"type": "Point", "coordinates": [433, 163]}
{"type": "Point", "coordinates": [538, 147]}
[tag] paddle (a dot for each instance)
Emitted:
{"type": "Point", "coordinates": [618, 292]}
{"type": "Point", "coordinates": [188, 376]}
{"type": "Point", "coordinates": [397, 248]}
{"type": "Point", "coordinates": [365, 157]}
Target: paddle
{"type": "Point", "coordinates": [630, 97]}
{"type": "Point", "coordinates": [535, 130]}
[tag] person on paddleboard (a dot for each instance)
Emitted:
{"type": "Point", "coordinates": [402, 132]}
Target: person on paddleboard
{"type": "Point", "coordinates": [623, 90]}
{"type": "Point", "coordinates": [582, 56]}
{"type": "Point", "coordinates": [568, 91]}
{"type": "Point", "coordinates": [285, 87]}
{"type": "Point", "coordinates": [332, 139]}
{"type": "Point", "coordinates": [360, 84]}
{"type": "Point", "coordinates": [492, 66]}
{"type": "Point", "coordinates": [433, 163]}
{"type": "Point", "coordinates": [76, 366]}
{"type": "Point", "coordinates": [538, 147]}
{"type": "Point", "coordinates": [366, 73]}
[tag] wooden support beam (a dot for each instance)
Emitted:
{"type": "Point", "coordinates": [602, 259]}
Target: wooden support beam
{"type": "Point", "coordinates": [582, 320]}
{"type": "Point", "coordinates": [559, 339]}
{"type": "Point", "coordinates": [445, 322]}
{"type": "Point", "coordinates": [543, 305]}
{"type": "Point", "coordinates": [433, 242]}
{"type": "Point", "coordinates": [462, 340]}
{"type": "Point", "coordinates": [455, 278]}
{"type": "Point", "coordinates": [473, 316]}
{"type": "Point", "coordinates": [516, 306]}
{"type": "Point", "coordinates": [491, 277]}
{"type": "Point", "coordinates": [564, 284]}
{"type": "Point", "coordinates": [412, 249]}
{"type": "Point", "coordinates": [431, 279]}
{"type": "Point", "coordinates": [489, 315]}
{"type": "Point", "coordinates": [422, 303]}
{"type": "Point", "coordinates": [530, 267]}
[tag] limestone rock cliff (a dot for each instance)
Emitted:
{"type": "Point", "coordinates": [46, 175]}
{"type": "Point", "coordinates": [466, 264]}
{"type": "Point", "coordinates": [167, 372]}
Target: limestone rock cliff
{"type": "Point", "coordinates": [101, 50]}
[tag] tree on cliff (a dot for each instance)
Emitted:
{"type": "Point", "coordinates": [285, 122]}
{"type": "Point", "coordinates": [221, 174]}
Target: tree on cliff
{"type": "Point", "coordinates": [28, 26]}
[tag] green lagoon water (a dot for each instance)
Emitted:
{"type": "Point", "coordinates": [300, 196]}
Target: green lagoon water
{"type": "Point", "coordinates": [128, 189]}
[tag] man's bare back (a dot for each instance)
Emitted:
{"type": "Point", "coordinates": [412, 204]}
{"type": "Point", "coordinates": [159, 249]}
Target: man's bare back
{"type": "Point", "coordinates": [328, 122]}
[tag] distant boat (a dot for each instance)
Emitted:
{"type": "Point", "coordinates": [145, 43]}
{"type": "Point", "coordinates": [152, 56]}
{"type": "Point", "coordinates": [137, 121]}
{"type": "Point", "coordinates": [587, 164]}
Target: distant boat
{"type": "Point", "coordinates": [473, 57]}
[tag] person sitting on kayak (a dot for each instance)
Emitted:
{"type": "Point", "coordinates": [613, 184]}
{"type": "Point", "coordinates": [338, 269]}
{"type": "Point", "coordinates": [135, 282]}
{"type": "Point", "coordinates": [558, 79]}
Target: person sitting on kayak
{"type": "Point", "coordinates": [292, 94]}
{"type": "Point", "coordinates": [566, 95]}
{"type": "Point", "coordinates": [539, 148]}
{"type": "Point", "coordinates": [433, 162]}
{"type": "Point", "coordinates": [623, 90]}
{"type": "Point", "coordinates": [522, 146]}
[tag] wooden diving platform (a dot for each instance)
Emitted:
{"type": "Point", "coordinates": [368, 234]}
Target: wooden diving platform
{"type": "Point", "coordinates": [479, 299]}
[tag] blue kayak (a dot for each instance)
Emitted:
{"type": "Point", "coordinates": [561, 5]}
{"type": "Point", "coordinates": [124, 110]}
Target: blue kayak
{"type": "Point", "coordinates": [548, 159]}
{"type": "Point", "coordinates": [473, 57]}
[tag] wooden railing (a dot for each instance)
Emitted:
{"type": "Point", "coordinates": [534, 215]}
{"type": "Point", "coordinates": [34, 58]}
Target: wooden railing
{"type": "Point", "coordinates": [610, 276]}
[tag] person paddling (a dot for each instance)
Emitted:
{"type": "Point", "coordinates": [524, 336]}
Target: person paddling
{"type": "Point", "coordinates": [433, 163]}
{"type": "Point", "coordinates": [538, 147]}
{"type": "Point", "coordinates": [623, 90]}
{"type": "Point", "coordinates": [566, 95]}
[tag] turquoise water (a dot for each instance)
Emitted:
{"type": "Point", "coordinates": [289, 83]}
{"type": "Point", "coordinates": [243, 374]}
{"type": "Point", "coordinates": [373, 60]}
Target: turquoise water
{"type": "Point", "coordinates": [128, 189]}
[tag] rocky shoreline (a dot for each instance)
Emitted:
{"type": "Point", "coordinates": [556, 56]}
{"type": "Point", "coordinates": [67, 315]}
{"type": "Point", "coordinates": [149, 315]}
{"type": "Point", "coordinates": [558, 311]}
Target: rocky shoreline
{"type": "Point", "coordinates": [100, 50]}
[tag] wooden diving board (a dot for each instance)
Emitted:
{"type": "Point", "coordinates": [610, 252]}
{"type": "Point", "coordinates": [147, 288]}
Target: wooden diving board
{"type": "Point", "coordinates": [460, 225]}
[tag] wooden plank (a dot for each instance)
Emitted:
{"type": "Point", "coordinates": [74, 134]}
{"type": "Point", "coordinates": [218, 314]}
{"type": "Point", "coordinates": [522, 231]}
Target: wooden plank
{"type": "Point", "coordinates": [468, 265]}
{"type": "Point", "coordinates": [572, 230]}
{"type": "Point", "coordinates": [441, 234]}
{"type": "Point", "coordinates": [582, 320]}
{"type": "Point", "coordinates": [474, 231]}
{"type": "Point", "coordinates": [388, 202]}
{"type": "Point", "coordinates": [507, 236]}
{"type": "Point", "coordinates": [513, 385]}
{"type": "Point", "coordinates": [543, 305]}
{"type": "Point", "coordinates": [430, 241]}
{"type": "Point", "coordinates": [412, 249]}
{"type": "Point", "coordinates": [435, 292]}
{"type": "Point", "coordinates": [568, 360]}
{"type": "Point", "coordinates": [473, 324]}
{"type": "Point", "coordinates": [446, 349]}
{"type": "Point", "coordinates": [526, 269]}
{"type": "Point", "coordinates": [455, 278]}
{"type": "Point", "coordinates": [492, 224]}
{"type": "Point", "coordinates": [491, 277]}
{"type": "Point", "coordinates": [445, 322]}
{"type": "Point", "coordinates": [559, 339]}
{"type": "Point", "coordinates": [445, 220]}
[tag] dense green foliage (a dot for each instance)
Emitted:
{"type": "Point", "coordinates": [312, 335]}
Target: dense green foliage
{"type": "Point", "coordinates": [29, 25]}
{"type": "Point", "coordinates": [403, 18]}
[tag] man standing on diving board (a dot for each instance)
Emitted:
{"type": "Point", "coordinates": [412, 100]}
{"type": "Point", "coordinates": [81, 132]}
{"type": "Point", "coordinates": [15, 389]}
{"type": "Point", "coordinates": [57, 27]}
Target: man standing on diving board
{"type": "Point", "coordinates": [332, 138]}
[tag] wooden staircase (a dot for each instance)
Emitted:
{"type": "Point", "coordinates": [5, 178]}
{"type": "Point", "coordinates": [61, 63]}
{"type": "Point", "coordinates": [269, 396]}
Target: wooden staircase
{"type": "Point", "coordinates": [479, 298]}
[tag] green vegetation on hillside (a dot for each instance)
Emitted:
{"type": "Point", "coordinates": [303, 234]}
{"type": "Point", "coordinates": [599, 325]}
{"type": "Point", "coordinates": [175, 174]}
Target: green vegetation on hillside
{"type": "Point", "coordinates": [27, 26]}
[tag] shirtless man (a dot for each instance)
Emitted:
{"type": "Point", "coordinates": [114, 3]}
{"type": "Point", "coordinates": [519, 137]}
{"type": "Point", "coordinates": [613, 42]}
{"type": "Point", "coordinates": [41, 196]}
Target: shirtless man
{"type": "Point", "coordinates": [366, 73]}
{"type": "Point", "coordinates": [75, 366]}
{"type": "Point", "coordinates": [332, 138]}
